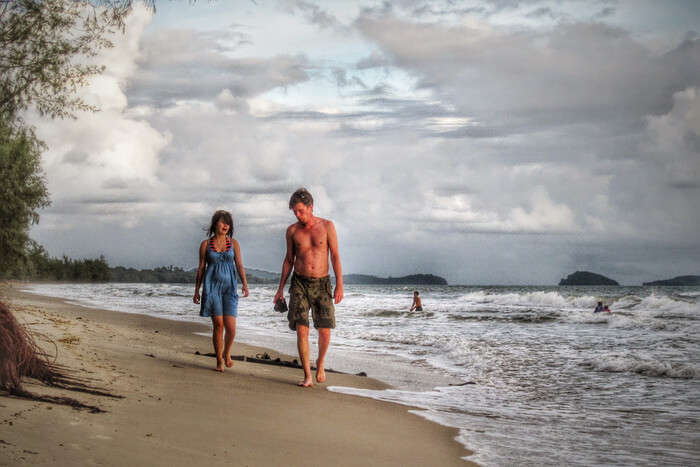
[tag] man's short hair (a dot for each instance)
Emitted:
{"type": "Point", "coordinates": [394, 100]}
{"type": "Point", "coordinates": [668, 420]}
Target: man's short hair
{"type": "Point", "coordinates": [302, 195]}
{"type": "Point", "coordinates": [415, 292]}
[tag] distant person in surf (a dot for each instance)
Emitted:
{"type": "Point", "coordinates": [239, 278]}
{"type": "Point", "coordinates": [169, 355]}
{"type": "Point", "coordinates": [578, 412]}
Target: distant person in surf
{"type": "Point", "coordinates": [219, 259]}
{"type": "Point", "coordinates": [417, 304]}
{"type": "Point", "coordinates": [607, 309]}
{"type": "Point", "coordinates": [599, 308]}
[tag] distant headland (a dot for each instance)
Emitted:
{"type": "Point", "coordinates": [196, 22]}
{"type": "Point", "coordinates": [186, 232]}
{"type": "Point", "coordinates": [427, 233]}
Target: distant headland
{"type": "Point", "coordinates": [173, 274]}
{"type": "Point", "coordinates": [677, 281]}
{"type": "Point", "coordinates": [177, 275]}
{"type": "Point", "coordinates": [587, 278]}
{"type": "Point", "coordinates": [413, 279]}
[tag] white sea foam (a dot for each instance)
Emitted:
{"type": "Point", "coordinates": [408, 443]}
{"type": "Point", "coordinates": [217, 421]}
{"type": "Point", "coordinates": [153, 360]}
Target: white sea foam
{"type": "Point", "coordinates": [545, 299]}
{"type": "Point", "coordinates": [587, 317]}
{"type": "Point", "coordinates": [656, 305]}
{"type": "Point", "coordinates": [646, 367]}
{"type": "Point", "coordinates": [625, 303]}
{"type": "Point", "coordinates": [536, 356]}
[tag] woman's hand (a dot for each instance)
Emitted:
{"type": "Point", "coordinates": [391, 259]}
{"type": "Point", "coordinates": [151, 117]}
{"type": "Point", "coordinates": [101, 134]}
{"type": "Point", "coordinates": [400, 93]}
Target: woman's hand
{"type": "Point", "coordinates": [244, 289]}
{"type": "Point", "coordinates": [195, 299]}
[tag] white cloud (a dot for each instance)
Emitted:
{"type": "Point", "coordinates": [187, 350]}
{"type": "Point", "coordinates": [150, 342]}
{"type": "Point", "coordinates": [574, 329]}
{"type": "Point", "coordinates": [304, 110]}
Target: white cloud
{"type": "Point", "coordinates": [456, 142]}
{"type": "Point", "coordinates": [543, 216]}
{"type": "Point", "coordinates": [112, 155]}
{"type": "Point", "coordinates": [675, 139]}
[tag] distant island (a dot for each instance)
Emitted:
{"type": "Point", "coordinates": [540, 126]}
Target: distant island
{"type": "Point", "coordinates": [174, 274]}
{"type": "Point", "coordinates": [587, 278]}
{"type": "Point", "coordinates": [677, 281]}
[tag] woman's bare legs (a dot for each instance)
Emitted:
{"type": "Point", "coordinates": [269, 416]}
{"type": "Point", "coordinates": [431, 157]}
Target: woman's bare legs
{"type": "Point", "coordinates": [230, 327]}
{"type": "Point", "coordinates": [218, 340]}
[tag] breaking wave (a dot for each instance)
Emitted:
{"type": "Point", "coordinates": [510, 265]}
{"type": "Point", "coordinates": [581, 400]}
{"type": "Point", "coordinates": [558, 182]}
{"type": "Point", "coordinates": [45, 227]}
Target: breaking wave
{"type": "Point", "coordinates": [643, 367]}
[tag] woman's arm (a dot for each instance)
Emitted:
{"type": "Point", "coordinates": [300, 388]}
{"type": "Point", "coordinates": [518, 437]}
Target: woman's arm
{"type": "Point", "coordinates": [200, 270]}
{"type": "Point", "coordinates": [239, 267]}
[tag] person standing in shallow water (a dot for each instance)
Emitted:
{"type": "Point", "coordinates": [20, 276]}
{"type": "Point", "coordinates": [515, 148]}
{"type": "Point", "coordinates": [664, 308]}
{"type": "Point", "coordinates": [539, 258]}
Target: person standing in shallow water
{"type": "Point", "coordinates": [219, 258]}
{"type": "Point", "coordinates": [417, 304]}
{"type": "Point", "coordinates": [309, 243]}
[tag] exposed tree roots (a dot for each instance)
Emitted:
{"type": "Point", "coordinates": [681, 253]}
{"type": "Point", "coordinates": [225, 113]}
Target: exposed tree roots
{"type": "Point", "coordinates": [20, 358]}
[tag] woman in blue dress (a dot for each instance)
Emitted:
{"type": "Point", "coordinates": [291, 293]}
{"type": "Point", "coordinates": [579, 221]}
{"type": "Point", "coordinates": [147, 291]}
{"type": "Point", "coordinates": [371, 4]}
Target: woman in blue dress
{"type": "Point", "coordinates": [219, 259]}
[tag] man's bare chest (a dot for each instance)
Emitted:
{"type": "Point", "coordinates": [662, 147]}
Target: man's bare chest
{"type": "Point", "coordinates": [314, 239]}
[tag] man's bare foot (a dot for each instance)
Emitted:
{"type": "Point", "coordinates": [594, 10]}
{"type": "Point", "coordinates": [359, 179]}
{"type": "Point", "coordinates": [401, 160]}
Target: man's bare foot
{"type": "Point", "coordinates": [320, 373]}
{"type": "Point", "coordinates": [229, 362]}
{"type": "Point", "coordinates": [307, 383]}
{"type": "Point", "coordinates": [220, 366]}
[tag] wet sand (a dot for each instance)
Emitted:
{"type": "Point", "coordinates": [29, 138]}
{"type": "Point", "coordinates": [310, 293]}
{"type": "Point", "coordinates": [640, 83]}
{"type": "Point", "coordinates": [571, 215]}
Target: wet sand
{"type": "Point", "coordinates": [177, 411]}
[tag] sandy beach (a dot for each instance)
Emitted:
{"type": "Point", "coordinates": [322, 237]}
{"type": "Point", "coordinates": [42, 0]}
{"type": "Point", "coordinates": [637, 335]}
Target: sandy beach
{"type": "Point", "coordinates": [175, 410]}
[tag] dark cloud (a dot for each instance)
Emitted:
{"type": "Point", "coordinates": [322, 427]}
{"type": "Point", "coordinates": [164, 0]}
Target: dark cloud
{"type": "Point", "coordinates": [185, 64]}
{"type": "Point", "coordinates": [341, 78]}
{"type": "Point", "coordinates": [578, 72]}
{"type": "Point", "coordinates": [116, 183]}
{"type": "Point", "coordinates": [605, 13]}
{"type": "Point", "coordinates": [422, 8]}
{"type": "Point", "coordinates": [374, 60]}
{"type": "Point", "coordinates": [685, 185]}
{"type": "Point", "coordinates": [316, 15]}
{"type": "Point", "coordinates": [75, 157]}
{"type": "Point", "coordinates": [541, 12]}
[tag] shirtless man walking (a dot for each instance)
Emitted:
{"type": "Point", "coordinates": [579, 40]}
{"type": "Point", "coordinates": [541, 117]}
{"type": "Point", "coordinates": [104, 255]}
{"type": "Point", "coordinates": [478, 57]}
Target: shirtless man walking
{"type": "Point", "coordinates": [309, 242]}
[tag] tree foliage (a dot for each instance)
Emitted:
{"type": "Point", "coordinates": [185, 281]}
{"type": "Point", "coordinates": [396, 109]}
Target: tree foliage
{"type": "Point", "coordinates": [43, 47]}
{"type": "Point", "coordinates": [45, 52]}
{"type": "Point", "coordinates": [22, 193]}
{"type": "Point", "coordinates": [40, 266]}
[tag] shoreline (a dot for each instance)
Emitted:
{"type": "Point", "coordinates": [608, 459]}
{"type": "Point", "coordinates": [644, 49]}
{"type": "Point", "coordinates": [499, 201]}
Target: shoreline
{"type": "Point", "coordinates": [396, 371]}
{"type": "Point", "coordinates": [178, 411]}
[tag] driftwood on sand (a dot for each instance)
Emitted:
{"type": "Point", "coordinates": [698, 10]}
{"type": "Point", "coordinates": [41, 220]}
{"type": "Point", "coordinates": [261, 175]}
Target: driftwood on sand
{"type": "Point", "coordinates": [20, 357]}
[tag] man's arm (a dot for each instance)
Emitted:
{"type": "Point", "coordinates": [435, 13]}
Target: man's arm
{"type": "Point", "coordinates": [335, 262]}
{"type": "Point", "coordinates": [287, 264]}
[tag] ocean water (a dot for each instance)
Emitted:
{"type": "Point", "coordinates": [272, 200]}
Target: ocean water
{"type": "Point", "coordinates": [529, 375]}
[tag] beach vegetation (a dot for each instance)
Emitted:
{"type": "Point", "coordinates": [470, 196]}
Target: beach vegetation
{"type": "Point", "coordinates": [47, 50]}
{"type": "Point", "coordinates": [587, 278]}
{"type": "Point", "coordinates": [167, 274]}
{"type": "Point", "coordinates": [22, 193]}
{"type": "Point", "coordinates": [163, 274]}
{"type": "Point", "coordinates": [21, 358]}
{"type": "Point", "coordinates": [678, 281]}
{"type": "Point", "coordinates": [412, 279]}
{"type": "Point", "coordinates": [40, 266]}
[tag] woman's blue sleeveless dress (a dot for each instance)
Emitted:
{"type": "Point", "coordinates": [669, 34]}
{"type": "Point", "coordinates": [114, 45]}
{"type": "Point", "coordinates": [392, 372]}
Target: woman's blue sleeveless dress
{"type": "Point", "coordinates": [219, 288]}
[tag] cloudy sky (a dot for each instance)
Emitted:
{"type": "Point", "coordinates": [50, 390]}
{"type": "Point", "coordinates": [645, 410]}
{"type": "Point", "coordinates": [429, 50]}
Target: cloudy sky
{"type": "Point", "coordinates": [489, 142]}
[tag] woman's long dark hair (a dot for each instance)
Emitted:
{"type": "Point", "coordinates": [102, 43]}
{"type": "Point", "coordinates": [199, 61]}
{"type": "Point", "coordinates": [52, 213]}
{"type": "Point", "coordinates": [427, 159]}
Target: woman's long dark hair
{"type": "Point", "coordinates": [226, 217]}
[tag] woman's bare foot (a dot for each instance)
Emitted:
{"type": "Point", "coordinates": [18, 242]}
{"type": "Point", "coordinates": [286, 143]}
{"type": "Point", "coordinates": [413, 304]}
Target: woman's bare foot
{"type": "Point", "coordinates": [320, 373]}
{"type": "Point", "coordinates": [229, 362]}
{"type": "Point", "coordinates": [307, 383]}
{"type": "Point", "coordinates": [220, 365]}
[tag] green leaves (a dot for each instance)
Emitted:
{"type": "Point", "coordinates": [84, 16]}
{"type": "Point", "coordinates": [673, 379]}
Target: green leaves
{"type": "Point", "coordinates": [45, 52]}
{"type": "Point", "coordinates": [22, 192]}
{"type": "Point", "coordinates": [43, 49]}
